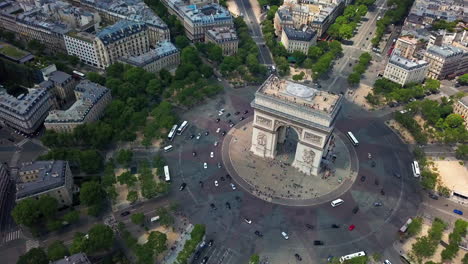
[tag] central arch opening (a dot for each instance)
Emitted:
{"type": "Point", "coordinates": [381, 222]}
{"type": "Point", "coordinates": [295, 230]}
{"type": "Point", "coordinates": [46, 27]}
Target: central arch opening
{"type": "Point", "coordinates": [286, 144]}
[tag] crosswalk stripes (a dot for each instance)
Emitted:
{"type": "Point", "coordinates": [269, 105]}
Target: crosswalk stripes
{"type": "Point", "coordinates": [10, 236]}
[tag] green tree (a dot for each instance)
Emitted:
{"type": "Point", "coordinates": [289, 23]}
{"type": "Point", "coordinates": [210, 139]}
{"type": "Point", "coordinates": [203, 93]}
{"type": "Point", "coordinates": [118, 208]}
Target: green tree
{"type": "Point", "coordinates": [96, 78]}
{"type": "Point", "coordinates": [138, 218]}
{"type": "Point", "coordinates": [429, 179]}
{"type": "Point", "coordinates": [415, 227]}
{"type": "Point", "coordinates": [423, 248]}
{"type": "Point", "coordinates": [101, 237]}
{"type": "Point", "coordinates": [462, 152]}
{"type": "Point", "coordinates": [465, 259]}
{"type": "Point", "coordinates": [26, 213]}
{"type": "Point", "coordinates": [165, 218]}
{"type": "Point", "coordinates": [354, 78]}
{"type": "Point", "coordinates": [454, 120]}
{"type": "Point", "coordinates": [91, 193]}
{"type": "Point", "coordinates": [127, 178]}
{"type": "Point", "coordinates": [132, 196]}
{"type": "Point", "coordinates": [57, 250]}
{"type": "Point", "coordinates": [33, 256]}
{"type": "Point", "coordinates": [432, 85]}
{"type": "Point", "coordinates": [254, 259]}
{"type": "Point", "coordinates": [157, 241]}
{"type": "Point", "coordinates": [124, 157]}
{"type": "Point", "coordinates": [463, 80]}
{"type": "Point", "coordinates": [71, 217]}
{"type": "Point", "coordinates": [181, 42]}
{"type": "Point", "coordinates": [48, 206]}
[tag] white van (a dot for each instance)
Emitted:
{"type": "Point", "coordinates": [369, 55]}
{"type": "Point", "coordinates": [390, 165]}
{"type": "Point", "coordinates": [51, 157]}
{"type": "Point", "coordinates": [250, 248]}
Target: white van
{"type": "Point", "coordinates": [154, 219]}
{"type": "Point", "coordinates": [168, 148]}
{"type": "Point", "coordinates": [336, 202]}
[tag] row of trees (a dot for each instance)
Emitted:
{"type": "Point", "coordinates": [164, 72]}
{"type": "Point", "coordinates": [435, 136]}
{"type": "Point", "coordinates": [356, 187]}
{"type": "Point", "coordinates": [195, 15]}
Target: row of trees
{"type": "Point", "coordinates": [459, 232]}
{"type": "Point", "coordinates": [395, 92]}
{"type": "Point", "coordinates": [358, 70]}
{"type": "Point", "coordinates": [408, 122]}
{"type": "Point", "coordinates": [394, 15]}
{"type": "Point", "coordinates": [425, 246]}
{"type": "Point", "coordinates": [346, 24]}
{"type": "Point", "coordinates": [196, 237]}
{"type": "Point", "coordinates": [87, 161]}
{"type": "Point", "coordinates": [41, 214]}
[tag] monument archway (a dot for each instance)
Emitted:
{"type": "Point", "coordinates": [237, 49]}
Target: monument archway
{"type": "Point", "coordinates": [280, 104]}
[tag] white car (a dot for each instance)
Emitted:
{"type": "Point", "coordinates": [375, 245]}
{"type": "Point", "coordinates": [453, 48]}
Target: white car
{"type": "Point", "coordinates": [198, 136]}
{"type": "Point", "coordinates": [387, 261]}
{"type": "Point", "coordinates": [285, 235]}
{"type": "Point", "coordinates": [233, 186]}
{"type": "Point", "coordinates": [205, 166]}
{"type": "Point", "coordinates": [216, 183]}
{"type": "Point", "coordinates": [219, 165]}
{"type": "Point", "coordinates": [217, 130]}
{"type": "Point", "coordinates": [216, 143]}
{"type": "Point", "coordinates": [212, 154]}
{"type": "Point", "coordinates": [248, 221]}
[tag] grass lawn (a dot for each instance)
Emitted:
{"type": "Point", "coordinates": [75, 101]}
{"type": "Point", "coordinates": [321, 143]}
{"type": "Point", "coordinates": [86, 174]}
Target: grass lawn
{"type": "Point", "coordinates": [12, 51]}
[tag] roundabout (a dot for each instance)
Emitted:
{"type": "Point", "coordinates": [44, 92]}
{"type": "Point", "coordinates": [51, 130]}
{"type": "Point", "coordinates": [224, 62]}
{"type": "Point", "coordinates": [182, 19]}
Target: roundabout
{"type": "Point", "coordinates": [375, 227]}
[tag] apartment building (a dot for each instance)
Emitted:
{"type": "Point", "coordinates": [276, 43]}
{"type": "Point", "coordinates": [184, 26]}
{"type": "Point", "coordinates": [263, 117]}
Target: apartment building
{"type": "Point", "coordinates": [198, 19]}
{"type": "Point", "coordinates": [446, 61]}
{"type": "Point", "coordinates": [224, 37]}
{"type": "Point", "coordinates": [52, 178]}
{"type": "Point", "coordinates": [124, 38]}
{"type": "Point", "coordinates": [133, 10]}
{"type": "Point", "coordinates": [164, 56]}
{"type": "Point", "coordinates": [5, 188]}
{"type": "Point", "coordinates": [91, 102]}
{"type": "Point", "coordinates": [84, 46]}
{"type": "Point", "coordinates": [297, 40]}
{"type": "Point", "coordinates": [64, 84]}
{"type": "Point", "coordinates": [408, 46]}
{"type": "Point", "coordinates": [461, 108]}
{"type": "Point", "coordinates": [25, 113]}
{"type": "Point", "coordinates": [403, 70]}
{"type": "Point", "coordinates": [315, 14]}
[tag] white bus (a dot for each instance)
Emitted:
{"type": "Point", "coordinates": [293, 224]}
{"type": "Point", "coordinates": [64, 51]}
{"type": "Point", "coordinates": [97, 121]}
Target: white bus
{"type": "Point", "coordinates": [172, 133]}
{"type": "Point", "coordinates": [405, 226]}
{"type": "Point", "coordinates": [167, 176]}
{"type": "Point", "coordinates": [351, 256]}
{"type": "Point", "coordinates": [82, 75]}
{"type": "Point", "coordinates": [182, 128]}
{"type": "Point", "coordinates": [415, 167]}
{"type": "Point", "coordinates": [352, 138]}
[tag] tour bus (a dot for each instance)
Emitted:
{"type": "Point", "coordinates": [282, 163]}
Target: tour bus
{"type": "Point", "coordinates": [351, 256]}
{"type": "Point", "coordinates": [415, 167]}
{"type": "Point", "coordinates": [405, 226]}
{"type": "Point", "coordinates": [336, 202]}
{"type": "Point", "coordinates": [172, 133]}
{"type": "Point", "coordinates": [352, 138]}
{"type": "Point", "coordinates": [167, 148]}
{"type": "Point", "coordinates": [182, 128]}
{"type": "Point", "coordinates": [80, 74]}
{"type": "Point", "coordinates": [166, 174]}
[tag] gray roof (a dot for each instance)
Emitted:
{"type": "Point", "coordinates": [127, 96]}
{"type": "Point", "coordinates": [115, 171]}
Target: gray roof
{"type": "Point", "coordinates": [78, 258]}
{"type": "Point", "coordinates": [46, 85]}
{"type": "Point", "coordinates": [222, 34]}
{"type": "Point", "coordinates": [445, 51]}
{"type": "Point", "coordinates": [162, 49]}
{"type": "Point", "coordinates": [284, 14]}
{"type": "Point", "coordinates": [120, 30]}
{"type": "Point", "coordinates": [24, 103]}
{"type": "Point", "coordinates": [464, 100]}
{"type": "Point", "coordinates": [299, 35]}
{"type": "Point", "coordinates": [405, 63]}
{"type": "Point", "coordinates": [59, 77]}
{"type": "Point", "coordinates": [50, 175]}
{"type": "Point", "coordinates": [207, 14]}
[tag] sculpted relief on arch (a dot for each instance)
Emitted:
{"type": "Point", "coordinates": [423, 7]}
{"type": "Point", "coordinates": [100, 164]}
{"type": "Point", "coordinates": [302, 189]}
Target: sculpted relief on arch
{"type": "Point", "coordinates": [263, 121]}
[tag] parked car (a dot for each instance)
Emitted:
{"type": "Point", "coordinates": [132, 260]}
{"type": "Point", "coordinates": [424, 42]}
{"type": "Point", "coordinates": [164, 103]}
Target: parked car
{"type": "Point", "coordinates": [204, 260]}
{"type": "Point", "coordinates": [433, 196]}
{"type": "Point", "coordinates": [210, 243]}
{"type": "Point", "coordinates": [125, 213]}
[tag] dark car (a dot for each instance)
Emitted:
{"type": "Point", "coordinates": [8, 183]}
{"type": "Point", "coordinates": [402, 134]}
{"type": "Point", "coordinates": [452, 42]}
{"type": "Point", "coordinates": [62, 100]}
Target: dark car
{"type": "Point", "coordinates": [228, 114]}
{"type": "Point", "coordinates": [242, 118]}
{"type": "Point", "coordinates": [382, 192]}
{"type": "Point", "coordinates": [228, 176]}
{"type": "Point", "coordinates": [458, 212]}
{"type": "Point", "coordinates": [258, 233]}
{"type": "Point", "coordinates": [397, 174]}
{"type": "Point", "coordinates": [318, 242]}
{"type": "Point", "coordinates": [230, 121]}
{"type": "Point", "coordinates": [223, 133]}
{"type": "Point", "coordinates": [433, 196]}
{"type": "Point", "coordinates": [228, 205]}
{"type": "Point", "coordinates": [192, 136]}
{"type": "Point", "coordinates": [246, 111]}
{"type": "Point", "coordinates": [210, 243]}
{"type": "Point", "coordinates": [204, 260]}
{"type": "Point", "coordinates": [207, 133]}
{"type": "Point", "coordinates": [377, 204]}
{"type": "Point", "coordinates": [182, 186]}
{"type": "Point", "coordinates": [222, 178]}
{"type": "Point", "coordinates": [355, 210]}
{"type": "Point", "coordinates": [363, 178]}
{"type": "Point", "coordinates": [201, 184]}
{"type": "Point", "coordinates": [125, 213]}
{"type": "Point", "coordinates": [298, 257]}
{"type": "Point", "coordinates": [194, 153]}
{"type": "Point", "coordinates": [237, 113]}
{"type": "Point", "coordinates": [213, 206]}
{"type": "Point", "coordinates": [217, 120]}
{"type": "Point", "coordinates": [309, 226]}
{"type": "Point", "coordinates": [197, 255]}
{"type": "Point", "coordinates": [335, 226]}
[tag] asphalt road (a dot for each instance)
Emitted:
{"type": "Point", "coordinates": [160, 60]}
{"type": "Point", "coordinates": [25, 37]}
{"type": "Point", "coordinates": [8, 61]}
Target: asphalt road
{"type": "Point", "coordinates": [255, 30]}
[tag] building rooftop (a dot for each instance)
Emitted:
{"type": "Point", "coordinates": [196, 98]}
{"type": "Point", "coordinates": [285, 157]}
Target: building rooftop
{"type": "Point", "coordinates": [50, 175]}
{"type": "Point", "coordinates": [84, 36]}
{"type": "Point", "coordinates": [209, 13]}
{"type": "Point", "coordinates": [464, 101]}
{"type": "Point", "coordinates": [299, 94]}
{"type": "Point", "coordinates": [284, 14]}
{"type": "Point", "coordinates": [78, 258]}
{"type": "Point", "coordinates": [13, 53]}
{"type": "Point", "coordinates": [445, 51]}
{"type": "Point", "coordinates": [91, 93]}
{"type": "Point", "coordinates": [162, 49]}
{"type": "Point", "coordinates": [59, 77]}
{"type": "Point", "coordinates": [405, 63]}
{"type": "Point", "coordinates": [24, 103]}
{"type": "Point", "coordinates": [299, 35]}
{"type": "Point", "coordinates": [120, 30]}
{"type": "Point", "coordinates": [134, 10]}
{"type": "Point", "coordinates": [222, 34]}
{"type": "Point", "coordinates": [408, 39]}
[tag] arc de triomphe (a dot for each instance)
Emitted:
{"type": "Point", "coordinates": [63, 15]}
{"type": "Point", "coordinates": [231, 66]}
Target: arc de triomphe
{"type": "Point", "coordinates": [281, 104]}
